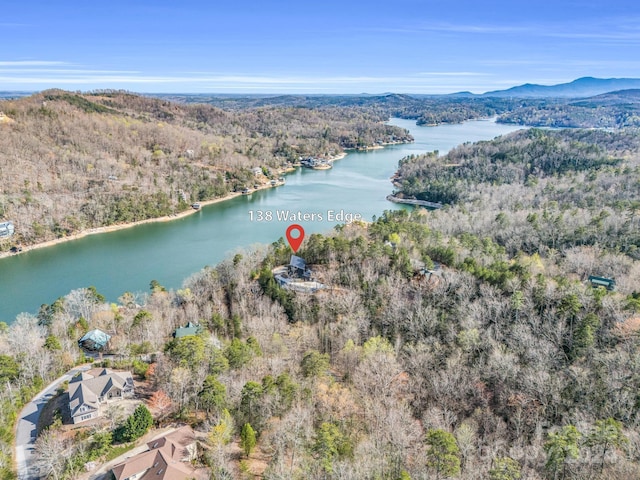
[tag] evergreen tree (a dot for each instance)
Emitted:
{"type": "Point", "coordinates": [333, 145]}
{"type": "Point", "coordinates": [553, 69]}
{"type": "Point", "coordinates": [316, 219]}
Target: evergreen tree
{"type": "Point", "coordinates": [315, 364]}
{"type": "Point", "coordinates": [505, 468]}
{"type": "Point", "coordinates": [247, 439]}
{"type": "Point", "coordinates": [189, 352]}
{"type": "Point", "coordinates": [238, 353]}
{"type": "Point", "coordinates": [52, 343]}
{"type": "Point", "coordinates": [136, 425]}
{"type": "Point", "coordinates": [560, 447]}
{"type": "Point", "coordinates": [606, 435]}
{"type": "Point", "coordinates": [213, 394]}
{"type": "Point", "coordinates": [9, 369]}
{"type": "Point", "coordinates": [330, 444]}
{"type": "Point", "coordinates": [443, 455]}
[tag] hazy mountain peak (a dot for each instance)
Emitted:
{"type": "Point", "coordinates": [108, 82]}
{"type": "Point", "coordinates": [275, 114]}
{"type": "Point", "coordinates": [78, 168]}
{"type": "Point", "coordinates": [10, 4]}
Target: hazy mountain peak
{"type": "Point", "coordinates": [579, 88]}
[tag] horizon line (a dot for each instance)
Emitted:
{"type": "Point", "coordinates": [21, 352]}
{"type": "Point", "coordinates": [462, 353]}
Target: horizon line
{"type": "Point", "coordinates": [306, 93]}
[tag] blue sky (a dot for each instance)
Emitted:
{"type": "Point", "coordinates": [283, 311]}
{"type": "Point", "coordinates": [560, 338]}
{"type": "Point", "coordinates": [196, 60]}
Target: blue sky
{"type": "Point", "coordinates": [244, 46]}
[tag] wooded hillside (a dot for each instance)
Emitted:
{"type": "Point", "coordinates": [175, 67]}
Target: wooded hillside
{"type": "Point", "coordinates": [461, 343]}
{"type": "Point", "coordinates": [425, 109]}
{"type": "Point", "coordinates": [69, 161]}
{"type": "Point", "coordinates": [610, 110]}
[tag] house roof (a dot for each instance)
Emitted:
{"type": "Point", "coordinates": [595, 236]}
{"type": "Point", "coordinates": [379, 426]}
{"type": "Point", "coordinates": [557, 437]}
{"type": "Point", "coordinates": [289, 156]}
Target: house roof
{"type": "Point", "coordinates": [81, 377]}
{"type": "Point", "coordinates": [175, 442]}
{"type": "Point", "coordinates": [188, 330]}
{"type": "Point", "coordinates": [85, 389]}
{"type": "Point", "coordinates": [298, 262]}
{"type": "Point", "coordinates": [94, 339]}
{"type": "Point", "coordinates": [156, 464]}
{"type": "Point", "coordinates": [81, 395]}
{"type": "Point", "coordinates": [163, 459]}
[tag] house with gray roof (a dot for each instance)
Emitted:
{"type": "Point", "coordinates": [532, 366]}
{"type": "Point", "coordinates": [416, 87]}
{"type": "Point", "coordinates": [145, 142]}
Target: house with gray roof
{"type": "Point", "coordinates": [90, 391]}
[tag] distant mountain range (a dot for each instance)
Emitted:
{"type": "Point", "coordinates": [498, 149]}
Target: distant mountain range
{"type": "Point", "coordinates": [580, 88]}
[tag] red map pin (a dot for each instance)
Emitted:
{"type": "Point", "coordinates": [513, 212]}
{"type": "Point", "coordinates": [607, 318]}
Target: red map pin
{"type": "Point", "coordinates": [295, 241]}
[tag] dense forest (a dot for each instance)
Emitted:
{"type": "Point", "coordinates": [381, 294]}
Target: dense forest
{"type": "Point", "coordinates": [461, 343]}
{"type": "Point", "coordinates": [70, 161]}
{"type": "Point", "coordinates": [610, 110]}
{"type": "Point", "coordinates": [524, 158]}
{"type": "Point", "coordinates": [425, 109]}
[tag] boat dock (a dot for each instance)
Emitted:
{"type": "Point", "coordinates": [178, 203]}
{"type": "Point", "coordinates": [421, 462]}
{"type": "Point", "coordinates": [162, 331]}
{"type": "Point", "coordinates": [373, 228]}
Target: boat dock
{"type": "Point", "coordinates": [419, 203]}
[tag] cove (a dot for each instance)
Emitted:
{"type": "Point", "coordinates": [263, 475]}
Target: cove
{"type": "Point", "coordinates": [127, 260]}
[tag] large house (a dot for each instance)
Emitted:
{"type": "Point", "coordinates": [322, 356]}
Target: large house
{"type": "Point", "coordinates": [89, 391]}
{"type": "Point", "coordinates": [167, 458]}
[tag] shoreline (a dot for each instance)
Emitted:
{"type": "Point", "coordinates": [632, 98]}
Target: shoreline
{"type": "Point", "coordinates": [414, 202]}
{"type": "Point", "coordinates": [379, 146]}
{"type": "Point", "coordinates": [166, 218]}
{"type": "Point", "coordinates": [121, 226]}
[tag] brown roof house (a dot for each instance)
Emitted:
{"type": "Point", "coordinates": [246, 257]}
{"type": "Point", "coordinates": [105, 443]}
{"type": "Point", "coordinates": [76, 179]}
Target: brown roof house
{"type": "Point", "coordinates": [89, 391]}
{"type": "Point", "coordinates": [168, 458]}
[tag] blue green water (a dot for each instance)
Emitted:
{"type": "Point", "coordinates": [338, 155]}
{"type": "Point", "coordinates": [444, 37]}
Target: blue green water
{"type": "Point", "coordinates": [127, 260]}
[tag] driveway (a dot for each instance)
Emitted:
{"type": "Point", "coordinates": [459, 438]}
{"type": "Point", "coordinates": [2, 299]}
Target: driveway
{"type": "Point", "coordinates": [28, 424]}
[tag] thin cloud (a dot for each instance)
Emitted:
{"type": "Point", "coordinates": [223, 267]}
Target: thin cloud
{"type": "Point", "coordinates": [454, 74]}
{"type": "Point", "coordinates": [609, 64]}
{"type": "Point", "coordinates": [31, 63]}
{"type": "Point", "coordinates": [606, 38]}
{"type": "Point", "coordinates": [64, 71]}
{"type": "Point", "coordinates": [413, 83]}
{"type": "Point", "coordinates": [480, 29]}
{"type": "Point", "coordinates": [609, 31]}
{"type": "Point", "coordinates": [88, 76]}
{"type": "Point", "coordinates": [434, 82]}
{"type": "Point", "coordinates": [451, 28]}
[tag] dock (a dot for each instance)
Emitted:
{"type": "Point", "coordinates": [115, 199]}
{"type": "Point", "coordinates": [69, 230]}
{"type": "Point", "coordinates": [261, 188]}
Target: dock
{"type": "Point", "coordinates": [419, 203]}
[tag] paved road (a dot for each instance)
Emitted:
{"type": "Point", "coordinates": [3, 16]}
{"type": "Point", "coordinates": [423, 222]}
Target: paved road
{"type": "Point", "coordinates": [28, 422]}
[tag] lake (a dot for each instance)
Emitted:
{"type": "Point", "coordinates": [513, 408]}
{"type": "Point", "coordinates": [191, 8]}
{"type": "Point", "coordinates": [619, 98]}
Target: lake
{"type": "Point", "coordinates": [127, 260]}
